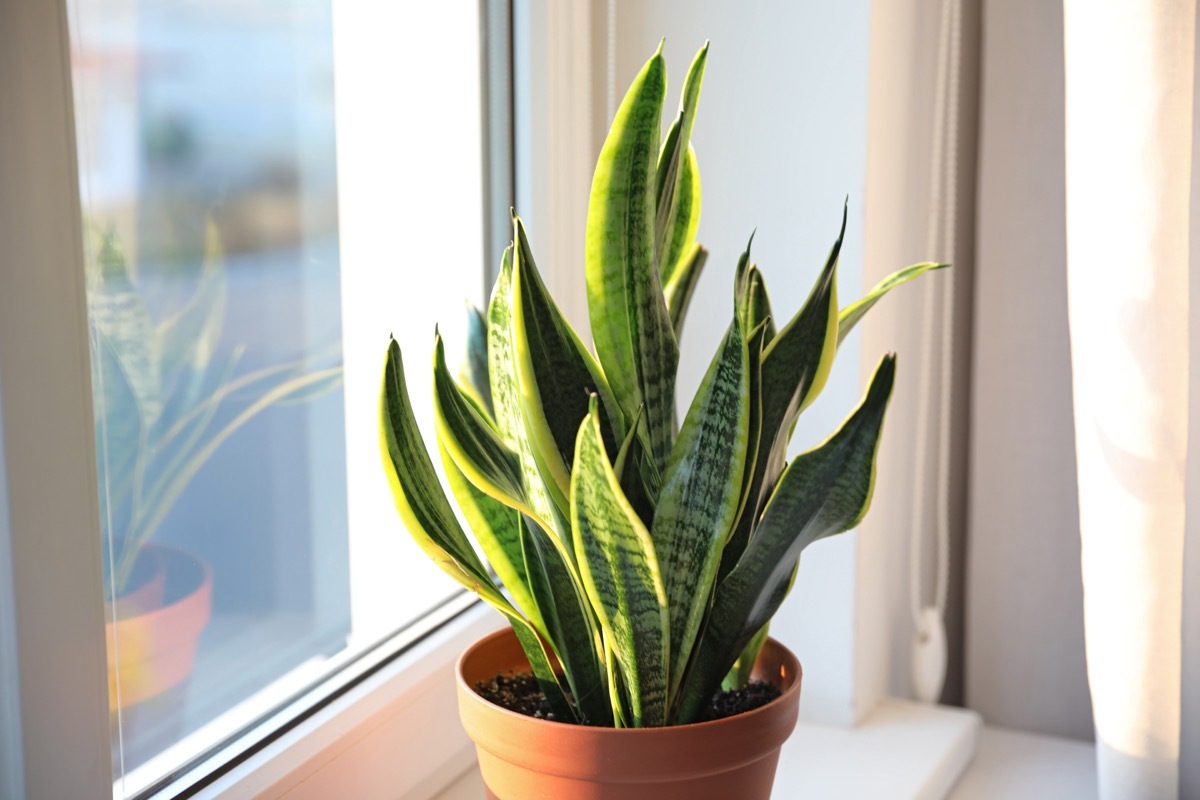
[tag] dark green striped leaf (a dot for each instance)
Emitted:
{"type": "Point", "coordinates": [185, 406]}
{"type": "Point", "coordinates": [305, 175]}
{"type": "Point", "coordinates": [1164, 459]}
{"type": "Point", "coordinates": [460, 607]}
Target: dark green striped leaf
{"type": "Point", "coordinates": [555, 374]}
{"type": "Point", "coordinates": [755, 306]}
{"type": "Point", "coordinates": [701, 492]}
{"type": "Point", "coordinates": [795, 367]}
{"type": "Point", "coordinates": [755, 344]}
{"type": "Point", "coordinates": [628, 468]}
{"type": "Point", "coordinates": [631, 326]}
{"type": "Point", "coordinates": [471, 441]}
{"type": "Point", "coordinates": [473, 371]}
{"type": "Point", "coordinates": [851, 314]}
{"type": "Point", "coordinates": [677, 179]}
{"type": "Point", "coordinates": [739, 674]}
{"type": "Point", "coordinates": [427, 515]}
{"type": "Point", "coordinates": [682, 285]}
{"type": "Point", "coordinates": [621, 575]}
{"type": "Point", "coordinates": [506, 398]}
{"type": "Point", "coordinates": [497, 530]}
{"type": "Point", "coordinates": [824, 491]}
{"type": "Point", "coordinates": [573, 632]}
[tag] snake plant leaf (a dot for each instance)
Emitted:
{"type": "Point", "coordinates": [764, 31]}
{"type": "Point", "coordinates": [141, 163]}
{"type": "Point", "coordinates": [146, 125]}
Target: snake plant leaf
{"type": "Point", "coordinates": [121, 440]}
{"type": "Point", "coordinates": [824, 491]}
{"type": "Point", "coordinates": [472, 443]}
{"type": "Point", "coordinates": [682, 229]}
{"type": "Point", "coordinates": [540, 664]}
{"type": "Point", "coordinates": [677, 179]}
{"type": "Point", "coordinates": [190, 336]}
{"type": "Point", "coordinates": [555, 374]}
{"type": "Point", "coordinates": [418, 494]}
{"type": "Point", "coordinates": [795, 366]}
{"type": "Point", "coordinates": [621, 575]}
{"type": "Point", "coordinates": [682, 285]}
{"type": "Point", "coordinates": [808, 339]}
{"type": "Point", "coordinates": [741, 275]}
{"type": "Point", "coordinates": [473, 371]}
{"type": "Point", "coordinates": [426, 513]}
{"type": "Point", "coordinates": [497, 530]}
{"type": "Point", "coordinates": [701, 492]}
{"type": "Point", "coordinates": [506, 398]}
{"type": "Point", "coordinates": [739, 674]}
{"type": "Point", "coordinates": [117, 310]}
{"type": "Point", "coordinates": [571, 629]}
{"type": "Point", "coordinates": [747, 506]}
{"type": "Point", "coordinates": [628, 468]}
{"type": "Point", "coordinates": [618, 692]}
{"type": "Point", "coordinates": [172, 481]}
{"type": "Point", "coordinates": [631, 326]}
{"type": "Point", "coordinates": [756, 306]}
{"type": "Point", "coordinates": [851, 314]}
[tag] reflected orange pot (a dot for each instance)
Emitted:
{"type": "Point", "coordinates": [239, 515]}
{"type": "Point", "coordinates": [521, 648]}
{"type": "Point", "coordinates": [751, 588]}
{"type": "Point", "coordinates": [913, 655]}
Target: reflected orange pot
{"type": "Point", "coordinates": [523, 758]}
{"type": "Point", "coordinates": [154, 630]}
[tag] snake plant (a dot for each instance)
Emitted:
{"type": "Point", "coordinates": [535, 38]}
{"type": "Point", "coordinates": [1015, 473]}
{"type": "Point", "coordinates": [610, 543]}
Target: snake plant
{"type": "Point", "coordinates": [164, 402]}
{"type": "Point", "coordinates": [642, 559]}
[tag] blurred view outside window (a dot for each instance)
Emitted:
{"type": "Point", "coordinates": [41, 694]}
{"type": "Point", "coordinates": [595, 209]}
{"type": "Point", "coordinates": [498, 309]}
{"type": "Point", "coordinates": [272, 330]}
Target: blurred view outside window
{"type": "Point", "coordinates": [241, 289]}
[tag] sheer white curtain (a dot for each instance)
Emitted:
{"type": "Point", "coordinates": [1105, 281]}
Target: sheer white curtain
{"type": "Point", "coordinates": [1078, 394]}
{"type": "Point", "coordinates": [1129, 88]}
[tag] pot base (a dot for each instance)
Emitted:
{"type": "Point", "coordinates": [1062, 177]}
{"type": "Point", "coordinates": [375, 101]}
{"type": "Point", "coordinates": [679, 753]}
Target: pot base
{"type": "Point", "coordinates": [522, 758]}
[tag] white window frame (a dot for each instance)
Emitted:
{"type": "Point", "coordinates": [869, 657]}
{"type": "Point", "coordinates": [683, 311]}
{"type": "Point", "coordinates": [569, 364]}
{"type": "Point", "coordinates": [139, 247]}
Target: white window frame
{"type": "Point", "coordinates": [401, 720]}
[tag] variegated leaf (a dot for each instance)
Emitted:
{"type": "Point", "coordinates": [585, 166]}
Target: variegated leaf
{"type": "Point", "coordinates": [824, 491]}
{"type": "Point", "coordinates": [631, 326]}
{"type": "Point", "coordinates": [497, 530]}
{"type": "Point", "coordinates": [431, 522]}
{"type": "Point", "coordinates": [473, 444]}
{"type": "Point", "coordinates": [701, 492]}
{"type": "Point", "coordinates": [473, 370]}
{"type": "Point", "coordinates": [739, 674]}
{"type": "Point", "coordinates": [506, 399]}
{"type": "Point", "coordinates": [555, 375]}
{"type": "Point", "coordinates": [851, 314]}
{"type": "Point", "coordinates": [572, 629]}
{"type": "Point", "coordinates": [755, 307]}
{"type": "Point", "coordinates": [755, 345]}
{"type": "Point", "coordinates": [677, 179]}
{"type": "Point", "coordinates": [682, 285]}
{"type": "Point", "coordinates": [621, 575]}
{"type": "Point", "coordinates": [795, 366]}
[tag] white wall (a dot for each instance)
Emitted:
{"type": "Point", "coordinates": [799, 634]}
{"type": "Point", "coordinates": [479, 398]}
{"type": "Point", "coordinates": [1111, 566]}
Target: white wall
{"type": "Point", "coordinates": [781, 140]}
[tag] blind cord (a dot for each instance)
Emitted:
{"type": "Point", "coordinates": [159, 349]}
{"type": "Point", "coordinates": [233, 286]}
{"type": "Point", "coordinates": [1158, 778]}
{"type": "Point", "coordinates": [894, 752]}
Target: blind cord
{"type": "Point", "coordinates": [929, 645]}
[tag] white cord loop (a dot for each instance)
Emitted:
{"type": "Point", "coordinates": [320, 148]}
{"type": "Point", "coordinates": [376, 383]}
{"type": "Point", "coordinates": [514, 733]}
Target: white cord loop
{"type": "Point", "coordinates": [929, 646]}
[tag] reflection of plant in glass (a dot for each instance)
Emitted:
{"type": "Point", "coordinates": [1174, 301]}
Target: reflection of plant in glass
{"type": "Point", "coordinates": [164, 401]}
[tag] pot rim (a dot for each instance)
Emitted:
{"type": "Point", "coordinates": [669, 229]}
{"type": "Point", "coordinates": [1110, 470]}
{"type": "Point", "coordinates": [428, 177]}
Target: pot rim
{"type": "Point", "coordinates": [747, 716]}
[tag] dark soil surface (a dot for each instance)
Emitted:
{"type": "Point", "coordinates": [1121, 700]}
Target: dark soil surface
{"type": "Point", "coordinates": [521, 693]}
{"type": "Point", "coordinates": [739, 701]}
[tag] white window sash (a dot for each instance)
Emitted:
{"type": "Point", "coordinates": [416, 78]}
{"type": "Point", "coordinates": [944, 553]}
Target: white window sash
{"type": "Point", "coordinates": [49, 452]}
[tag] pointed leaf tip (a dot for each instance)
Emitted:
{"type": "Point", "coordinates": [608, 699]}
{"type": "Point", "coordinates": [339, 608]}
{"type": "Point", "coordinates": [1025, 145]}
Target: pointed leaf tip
{"type": "Point", "coordinates": [661, 42]}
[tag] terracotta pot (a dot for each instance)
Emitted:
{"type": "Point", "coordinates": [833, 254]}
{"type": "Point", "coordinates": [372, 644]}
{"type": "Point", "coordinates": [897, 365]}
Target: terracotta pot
{"type": "Point", "coordinates": [152, 642]}
{"type": "Point", "coordinates": [523, 758]}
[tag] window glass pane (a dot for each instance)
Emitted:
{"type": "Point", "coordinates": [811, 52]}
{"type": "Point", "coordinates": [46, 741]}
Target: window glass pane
{"type": "Point", "coordinates": [264, 203]}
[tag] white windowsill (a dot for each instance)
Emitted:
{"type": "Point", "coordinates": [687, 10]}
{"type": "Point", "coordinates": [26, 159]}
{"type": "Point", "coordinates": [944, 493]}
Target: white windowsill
{"type": "Point", "coordinates": [1007, 764]}
{"type": "Point", "coordinates": [1014, 764]}
{"type": "Point", "coordinates": [903, 750]}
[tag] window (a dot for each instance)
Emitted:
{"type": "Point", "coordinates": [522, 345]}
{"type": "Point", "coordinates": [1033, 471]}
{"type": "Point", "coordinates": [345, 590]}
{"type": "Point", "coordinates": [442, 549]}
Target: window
{"type": "Point", "coordinates": [266, 194]}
